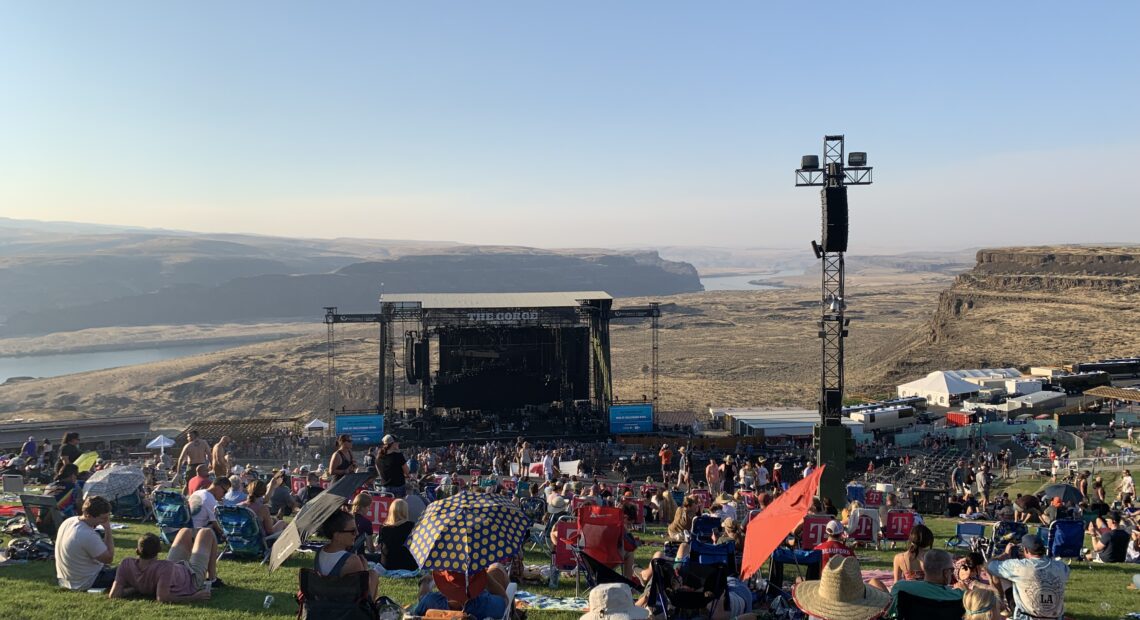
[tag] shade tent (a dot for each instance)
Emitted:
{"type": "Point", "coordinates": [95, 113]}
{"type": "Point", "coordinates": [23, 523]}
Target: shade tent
{"type": "Point", "coordinates": [316, 425]}
{"type": "Point", "coordinates": [160, 443]}
{"type": "Point", "coordinates": [938, 388]}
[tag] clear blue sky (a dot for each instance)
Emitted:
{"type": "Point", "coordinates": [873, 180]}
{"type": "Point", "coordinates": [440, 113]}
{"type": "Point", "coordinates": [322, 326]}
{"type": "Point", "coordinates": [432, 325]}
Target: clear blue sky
{"type": "Point", "coordinates": [573, 123]}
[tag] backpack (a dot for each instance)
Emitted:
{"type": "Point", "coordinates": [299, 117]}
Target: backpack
{"type": "Point", "coordinates": [334, 598]}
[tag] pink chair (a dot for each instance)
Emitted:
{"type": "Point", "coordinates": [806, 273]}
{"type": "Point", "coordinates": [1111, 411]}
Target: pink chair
{"type": "Point", "coordinates": [899, 524]}
{"type": "Point", "coordinates": [814, 531]}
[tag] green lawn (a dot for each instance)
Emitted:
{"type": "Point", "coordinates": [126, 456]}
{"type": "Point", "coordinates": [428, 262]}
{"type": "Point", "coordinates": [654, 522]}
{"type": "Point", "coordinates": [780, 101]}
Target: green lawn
{"type": "Point", "coordinates": [28, 591]}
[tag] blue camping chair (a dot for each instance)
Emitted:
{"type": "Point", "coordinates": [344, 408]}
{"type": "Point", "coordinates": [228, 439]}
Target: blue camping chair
{"type": "Point", "coordinates": [1066, 537]}
{"type": "Point", "coordinates": [704, 526]}
{"type": "Point", "coordinates": [244, 537]}
{"type": "Point", "coordinates": [965, 534]}
{"type": "Point", "coordinates": [130, 507]}
{"type": "Point", "coordinates": [678, 497]}
{"type": "Point", "coordinates": [706, 553]}
{"type": "Point", "coordinates": [171, 513]}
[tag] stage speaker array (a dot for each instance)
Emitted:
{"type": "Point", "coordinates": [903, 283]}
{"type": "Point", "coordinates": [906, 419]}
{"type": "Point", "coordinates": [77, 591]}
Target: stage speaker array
{"type": "Point", "coordinates": [834, 219]}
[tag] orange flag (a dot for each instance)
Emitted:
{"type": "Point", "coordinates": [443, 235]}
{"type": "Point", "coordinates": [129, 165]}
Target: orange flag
{"type": "Point", "coordinates": [771, 527]}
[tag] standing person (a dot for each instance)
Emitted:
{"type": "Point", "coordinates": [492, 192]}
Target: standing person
{"type": "Point", "coordinates": [82, 555]}
{"type": "Point", "coordinates": [1038, 582]}
{"type": "Point", "coordinates": [369, 462]}
{"type": "Point", "coordinates": [69, 449]}
{"type": "Point", "coordinates": [728, 474]}
{"type": "Point", "coordinates": [196, 452]}
{"type": "Point", "coordinates": [30, 451]}
{"type": "Point", "coordinates": [1127, 487]}
{"type": "Point", "coordinates": [712, 475]}
{"type": "Point", "coordinates": [342, 461]}
{"type": "Point", "coordinates": [666, 456]}
{"type": "Point", "coordinates": [778, 477]}
{"type": "Point", "coordinates": [548, 466]}
{"type": "Point", "coordinates": [47, 453]}
{"type": "Point", "coordinates": [392, 467]}
{"type": "Point", "coordinates": [220, 459]}
{"type": "Point", "coordinates": [684, 467]}
{"type": "Point", "coordinates": [810, 467]}
{"type": "Point", "coordinates": [958, 478]}
{"type": "Point", "coordinates": [762, 477]}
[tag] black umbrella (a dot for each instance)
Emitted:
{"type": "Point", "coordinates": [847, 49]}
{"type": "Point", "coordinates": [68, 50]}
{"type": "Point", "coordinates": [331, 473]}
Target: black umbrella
{"type": "Point", "coordinates": [315, 512]}
{"type": "Point", "coordinates": [1067, 492]}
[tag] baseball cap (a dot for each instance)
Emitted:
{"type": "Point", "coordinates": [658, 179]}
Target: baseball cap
{"type": "Point", "coordinates": [834, 528]}
{"type": "Point", "coordinates": [1032, 544]}
{"type": "Point", "coordinates": [388, 439]}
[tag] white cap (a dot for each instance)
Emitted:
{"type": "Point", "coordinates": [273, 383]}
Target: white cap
{"type": "Point", "coordinates": [388, 439]}
{"type": "Point", "coordinates": [834, 528]}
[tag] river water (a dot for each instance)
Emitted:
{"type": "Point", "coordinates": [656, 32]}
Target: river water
{"type": "Point", "coordinates": [69, 363]}
{"type": "Point", "coordinates": [739, 282]}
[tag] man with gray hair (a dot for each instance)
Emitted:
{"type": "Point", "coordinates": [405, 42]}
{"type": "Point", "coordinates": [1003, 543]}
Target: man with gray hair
{"type": "Point", "coordinates": [1038, 582]}
{"type": "Point", "coordinates": [938, 569]}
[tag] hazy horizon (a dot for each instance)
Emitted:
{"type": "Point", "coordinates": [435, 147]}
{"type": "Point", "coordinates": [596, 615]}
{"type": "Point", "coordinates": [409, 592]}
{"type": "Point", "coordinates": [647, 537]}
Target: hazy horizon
{"type": "Point", "coordinates": [639, 125]}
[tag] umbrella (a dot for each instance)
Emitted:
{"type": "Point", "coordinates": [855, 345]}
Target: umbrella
{"type": "Point", "coordinates": [114, 482]}
{"type": "Point", "coordinates": [1067, 492]}
{"type": "Point", "coordinates": [160, 443]}
{"type": "Point", "coordinates": [315, 512]}
{"type": "Point", "coordinates": [768, 529]}
{"type": "Point", "coordinates": [86, 461]}
{"type": "Point", "coordinates": [468, 532]}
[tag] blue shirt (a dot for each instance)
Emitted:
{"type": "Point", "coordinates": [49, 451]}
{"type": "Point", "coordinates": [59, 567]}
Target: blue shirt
{"type": "Point", "coordinates": [486, 605]}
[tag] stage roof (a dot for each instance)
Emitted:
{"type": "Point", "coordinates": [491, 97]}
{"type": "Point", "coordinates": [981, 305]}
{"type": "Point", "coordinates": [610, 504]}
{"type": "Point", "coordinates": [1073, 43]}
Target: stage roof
{"type": "Point", "coordinates": [440, 301]}
{"type": "Point", "coordinates": [1115, 392]}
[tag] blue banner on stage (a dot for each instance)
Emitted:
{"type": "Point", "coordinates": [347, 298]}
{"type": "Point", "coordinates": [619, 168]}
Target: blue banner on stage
{"type": "Point", "coordinates": [365, 430]}
{"type": "Point", "coordinates": [631, 419]}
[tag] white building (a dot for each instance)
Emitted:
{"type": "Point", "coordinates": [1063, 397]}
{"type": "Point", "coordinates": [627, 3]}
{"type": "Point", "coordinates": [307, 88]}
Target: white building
{"type": "Point", "coordinates": [1022, 386]}
{"type": "Point", "coordinates": [940, 388]}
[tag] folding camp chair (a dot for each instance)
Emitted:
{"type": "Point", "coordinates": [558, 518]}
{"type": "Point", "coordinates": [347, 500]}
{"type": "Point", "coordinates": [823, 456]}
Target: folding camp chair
{"type": "Point", "coordinates": [335, 597]}
{"type": "Point", "coordinates": [512, 590]}
{"type": "Point", "coordinates": [690, 591]}
{"type": "Point", "coordinates": [639, 503]}
{"type": "Point", "coordinates": [705, 553]}
{"type": "Point", "coordinates": [562, 557]}
{"type": "Point", "coordinates": [704, 526]}
{"type": "Point", "coordinates": [703, 497]}
{"type": "Point", "coordinates": [678, 497]}
{"type": "Point", "coordinates": [131, 507]}
{"type": "Point", "coordinates": [898, 526]}
{"type": "Point", "coordinates": [171, 513]}
{"type": "Point", "coordinates": [814, 531]}
{"type": "Point", "coordinates": [598, 573]}
{"type": "Point", "coordinates": [911, 607]}
{"type": "Point", "coordinates": [243, 533]}
{"type": "Point", "coordinates": [1066, 537]}
{"type": "Point", "coordinates": [750, 501]}
{"type": "Point", "coordinates": [42, 514]}
{"type": "Point", "coordinates": [965, 534]}
{"type": "Point", "coordinates": [863, 527]}
{"type": "Point", "coordinates": [1005, 532]}
{"type": "Point", "coordinates": [809, 561]}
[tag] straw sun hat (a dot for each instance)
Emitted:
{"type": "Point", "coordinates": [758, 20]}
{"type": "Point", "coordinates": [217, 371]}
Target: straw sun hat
{"type": "Point", "coordinates": [840, 593]}
{"type": "Point", "coordinates": [613, 601]}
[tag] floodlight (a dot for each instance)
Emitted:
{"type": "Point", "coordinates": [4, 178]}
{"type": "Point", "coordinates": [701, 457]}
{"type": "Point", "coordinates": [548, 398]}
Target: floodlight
{"type": "Point", "coordinates": [857, 158]}
{"type": "Point", "coordinates": [809, 162]}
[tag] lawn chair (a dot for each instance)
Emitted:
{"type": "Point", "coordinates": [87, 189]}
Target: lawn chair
{"type": "Point", "coordinates": [863, 527]}
{"type": "Point", "coordinates": [814, 531]}
{"type": "Point", "coordinates": [911, 607]}
{"type": "Point", "coordinates": [750, 501]}
{"type": "Point", "coordinates": [899, 525]}
{"type": "Point", "coordinates": [704, 526]}
{"type": "Point", "coordinates": [131, 507]}
{"type": "Point", "coordinates": [512, 590]}
{"type": "Point", "coordinates": [965, 534]}
{"type": "Point", "coordinates": [598, 573]}
{"type": "Point", "coordinates": [244, 537]}
{"type": "Point", "coordinates": [639, 522]}
{"type": "Point", "coordinates": [703, 497]}
{"type": "Point", "coordinates": [689, 591]}
{"type": "Point", "coordinates": [1066, 538]}
{"type": "Point", "coordinates": [171, 513]}
{"type": "Point", "coordinates": [345, 597]}
{"type": "Point", "coordinates": [42, 514]}
{"type": "Point", "coordinates": [1006, 532]}
{"type": "Point", "coordinates": [678, 497]}
{"type": "Point", "coordinates": [705, 553]}
{"type": "Point", "coordinates": [562, 557]}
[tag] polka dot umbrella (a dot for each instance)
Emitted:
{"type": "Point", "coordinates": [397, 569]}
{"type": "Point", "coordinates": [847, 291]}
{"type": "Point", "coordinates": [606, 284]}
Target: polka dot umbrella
{"type": "Point", "coordinates": [468, 532]}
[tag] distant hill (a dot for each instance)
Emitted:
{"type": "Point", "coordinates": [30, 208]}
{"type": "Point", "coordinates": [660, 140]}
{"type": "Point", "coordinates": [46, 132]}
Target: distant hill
{"type": "Point", "coordinates": [61, 279]}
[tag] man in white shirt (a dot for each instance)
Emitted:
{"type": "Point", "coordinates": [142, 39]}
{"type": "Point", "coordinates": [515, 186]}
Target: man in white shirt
{"type": "Point", "coordinates": [82, 555]}
{"type": "Point", "coordinates": [204, 502]}
{"type": "Point", "coordinates": [762, 476]}
{"type": "Point", "coordinates": [1127, 487]}
{"type": "Point", "coordinates": [548, 466]}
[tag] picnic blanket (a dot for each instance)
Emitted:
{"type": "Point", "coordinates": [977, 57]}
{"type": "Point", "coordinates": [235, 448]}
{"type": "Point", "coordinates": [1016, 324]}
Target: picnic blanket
{"type": "Point", "coordinates": [884, 576]}
{"type": "Point", "coordinates": [393, 574]}
{"type": "Point", "coordinates": [551, 603]}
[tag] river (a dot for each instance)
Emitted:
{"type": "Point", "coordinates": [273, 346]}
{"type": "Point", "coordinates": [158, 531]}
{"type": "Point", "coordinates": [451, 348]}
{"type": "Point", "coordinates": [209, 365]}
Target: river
{"type": "Point", "coordinates": [739, 282]}
{"type": "Point", "coordinates": [70, 363]}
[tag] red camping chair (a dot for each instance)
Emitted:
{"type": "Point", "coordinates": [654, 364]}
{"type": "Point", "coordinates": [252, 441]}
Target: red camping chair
{"type": "Point", "coordinates": [640, 503]}
{"type": "Point", "coordinates": [750, 501]}
{"type": "Point", "coordinates": [864, 527]}
{"type": "Point", "coordinates": [704, 497]}
{"type": "Point", "coordinates": [648, 490]}
{"type": "Point", "coordinates": [873, 499]}
{"type": "Point", "coordinates": [578, 501]}
{"type": "Point", "coordinates": [600, 529]}
{"type": "Point", "coordinates": [814, 531]}
{"type": "Point", "coordinates": [898, 526]}
{"type": "Point", "coordinates": [562, 557]}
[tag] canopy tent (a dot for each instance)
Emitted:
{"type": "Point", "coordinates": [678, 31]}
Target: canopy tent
{"type": "Point", "coordinates": [938, 388]}
{"type": "Point", "coordinates": [316, 425]}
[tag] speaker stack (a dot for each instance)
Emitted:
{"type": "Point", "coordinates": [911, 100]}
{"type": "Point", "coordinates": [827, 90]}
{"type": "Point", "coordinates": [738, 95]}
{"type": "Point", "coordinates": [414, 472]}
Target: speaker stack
{"type": "Point", "coordinates": [834, 219]}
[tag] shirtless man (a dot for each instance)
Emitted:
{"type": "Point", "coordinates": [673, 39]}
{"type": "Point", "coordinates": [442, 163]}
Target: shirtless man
{"type": "Point", "coordinates": [219, 458]}
{"type": "Point", "coordinates": [196, 452]}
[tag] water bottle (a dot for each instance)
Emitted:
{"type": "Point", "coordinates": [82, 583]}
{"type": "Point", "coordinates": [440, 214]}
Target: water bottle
{"type": "Point", "coordinates": [268, 601]}
{"type": "Point", "coordinates": [555, 576]}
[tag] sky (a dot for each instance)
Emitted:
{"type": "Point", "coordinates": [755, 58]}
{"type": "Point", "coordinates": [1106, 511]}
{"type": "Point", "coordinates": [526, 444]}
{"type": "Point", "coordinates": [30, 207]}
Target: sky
{"type": "Point", "coordinates": [574, 124]}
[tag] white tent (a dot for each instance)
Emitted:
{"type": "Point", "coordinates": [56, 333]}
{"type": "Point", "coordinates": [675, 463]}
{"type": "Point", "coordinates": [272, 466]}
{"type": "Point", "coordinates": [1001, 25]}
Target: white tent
{"type": "Point", "coordinates": [160, 443]}
{"type": "Point", "coordinates": [939, 388]}
{"type": "Point", "coordinates": [316, 426]}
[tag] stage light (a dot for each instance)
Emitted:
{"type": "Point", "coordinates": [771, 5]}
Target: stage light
{"type": "Point", "coordinates": [857, 158]}
{"type": "Point", "coordinates": [809, 162]}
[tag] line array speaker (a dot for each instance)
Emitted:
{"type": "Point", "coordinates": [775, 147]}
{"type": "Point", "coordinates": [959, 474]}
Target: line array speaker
{"type": "Point", "coordinates": [834, 238]}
